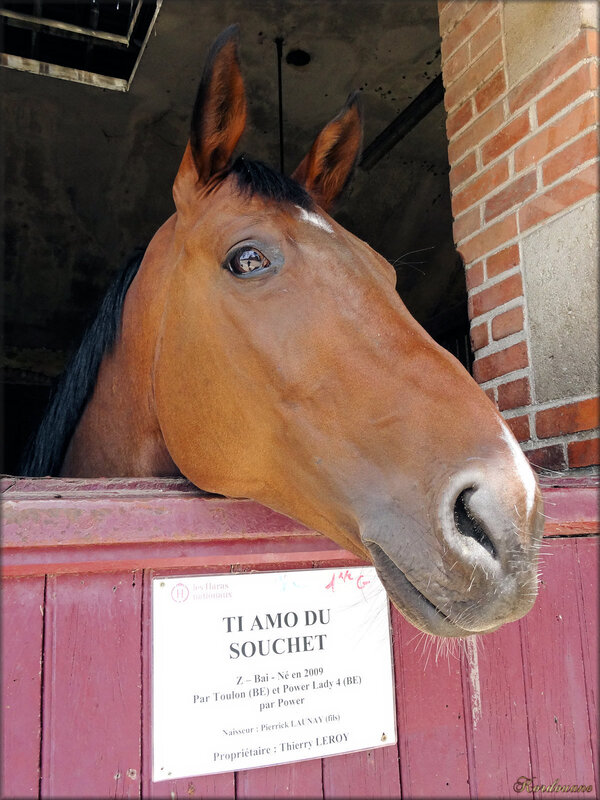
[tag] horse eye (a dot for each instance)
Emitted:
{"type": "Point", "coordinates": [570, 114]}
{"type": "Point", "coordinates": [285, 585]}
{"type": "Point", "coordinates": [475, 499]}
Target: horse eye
{"type": "Point", "coordinates": [246, 260]}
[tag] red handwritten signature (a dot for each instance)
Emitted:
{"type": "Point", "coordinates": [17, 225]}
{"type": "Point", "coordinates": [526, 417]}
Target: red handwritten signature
{"type": "Point", "coordinates": [345, 576]}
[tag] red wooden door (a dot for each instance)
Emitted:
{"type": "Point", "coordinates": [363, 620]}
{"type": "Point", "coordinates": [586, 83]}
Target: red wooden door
{"type": "Point", "coordinates": [78, 560]}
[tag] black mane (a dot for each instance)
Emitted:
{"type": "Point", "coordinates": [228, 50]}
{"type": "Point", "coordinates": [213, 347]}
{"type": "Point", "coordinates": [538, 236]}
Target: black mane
{"type": "Point", "coordinates": [46, 451]}
{"type": "Point", "coordinates": [254, 177]}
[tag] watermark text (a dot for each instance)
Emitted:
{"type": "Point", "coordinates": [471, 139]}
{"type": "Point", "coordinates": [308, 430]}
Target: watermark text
{"type": "Point", "coordinates": [529, 786]}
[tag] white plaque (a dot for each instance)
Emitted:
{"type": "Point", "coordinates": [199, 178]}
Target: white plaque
{"type": "Point", "coordinates": [260, 669]}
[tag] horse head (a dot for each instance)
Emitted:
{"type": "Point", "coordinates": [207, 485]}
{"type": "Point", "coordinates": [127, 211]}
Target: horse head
{"type": "Point", "coordinates": [265, 353]}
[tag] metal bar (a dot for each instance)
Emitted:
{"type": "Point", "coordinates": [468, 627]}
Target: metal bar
{"type": "Point", "coordinates": [33, 51]}
{"type": "Point", "coordinates": [279, 43]}
{"type": "Point", "coordinates": [144, 43]}
{"type": "Point", "coordinates": [134, 18]}
{"type": "Point", "coordinates": [94, 16]}
{"type": "Point", "coordinates": [406, 120]}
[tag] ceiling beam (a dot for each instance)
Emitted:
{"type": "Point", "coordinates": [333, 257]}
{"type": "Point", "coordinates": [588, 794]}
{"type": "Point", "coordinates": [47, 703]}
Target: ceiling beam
{"type": "Point", "coordinates": [406, 120]}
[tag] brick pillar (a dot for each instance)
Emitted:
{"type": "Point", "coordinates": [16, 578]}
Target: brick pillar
{"type": "Point", "coordinates": [521, 84]}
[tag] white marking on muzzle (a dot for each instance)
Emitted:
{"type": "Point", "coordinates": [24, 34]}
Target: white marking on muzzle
{"type": "Point", "coordinates": [523, 468]}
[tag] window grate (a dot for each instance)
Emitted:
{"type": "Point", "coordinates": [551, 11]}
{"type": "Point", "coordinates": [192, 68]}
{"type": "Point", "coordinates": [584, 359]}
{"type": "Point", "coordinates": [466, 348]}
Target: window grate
{"type": "Point", "coordinates": [98, 42]}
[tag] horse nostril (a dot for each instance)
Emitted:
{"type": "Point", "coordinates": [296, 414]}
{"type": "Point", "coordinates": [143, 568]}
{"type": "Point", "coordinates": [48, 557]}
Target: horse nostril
{"type": "Point", "coordinates": [468, 524]}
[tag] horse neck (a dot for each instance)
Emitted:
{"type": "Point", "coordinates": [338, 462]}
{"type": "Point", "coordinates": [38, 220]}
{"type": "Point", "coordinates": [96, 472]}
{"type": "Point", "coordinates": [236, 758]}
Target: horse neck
{"type": "Point", "coordinates": [118, 433]}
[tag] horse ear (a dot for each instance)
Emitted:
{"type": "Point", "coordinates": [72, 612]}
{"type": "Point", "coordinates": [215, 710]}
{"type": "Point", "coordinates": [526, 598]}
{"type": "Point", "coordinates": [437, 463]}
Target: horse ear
{"type": "Point", "coordinates": [219, 115]}
{"type": "Point", "coordinates": [328, 167]}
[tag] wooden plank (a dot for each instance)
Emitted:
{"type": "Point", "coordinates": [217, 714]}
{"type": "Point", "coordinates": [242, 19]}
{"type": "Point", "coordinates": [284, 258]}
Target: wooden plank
{"type": "Point", "coordinates": [76, 487]}
{"type": "Point", "coordinates": [92, 686]}
{"type": "Point", "coordinates": [567, 481]}
{"type": "Point", "coordinates": [90, 519]}
{"type": "Point", "coordinates": [496, 712]}
{"type": "Point", "coordinates": [431, 727]}
{"type": "Point", "coordinates": [82, 528]}
{"type": "Point", "coordinates": [63, 525]}
{"type": "Point", "coordinates": [588, 562]}
{"type": "Point", "coordinates": [21, 636]}
{"type": "Point", "coordinates": [571, 510]}
{"type": "Point", "coordinates": [302, 779]}
{"type": "Point", "coordinates": [16, 485]}
{"type": "Point", "coordinates": [38, 22]}
{"type": "Point", "coordinates": [430, 705]}
{"type": "Point", "coordinates": [36, 67]}
{"type": "Point", "coordinates": [204, 787]}
{"type": "Point", "coordinates": [245, 555]}
{"type": "Point", "coordinates": [370, 773]}
{"type": "Point", "coordinates": [554, 676]}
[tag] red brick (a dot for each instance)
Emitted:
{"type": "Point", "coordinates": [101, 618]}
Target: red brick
{"type": "Point", "coordinates": [476, 132]}
{"type": "Point", "coordinates": [466, 224]}
{"type": "Point", "coordinates": [489, 32]}
{"type": "Point", "coordinates": [585, 44]}
{"type": "Point", "coordinates": [493, 89]}
{"type": "Point", "coordinates": [473, 77]}
{"type": "Point", "coordinates": [520, 427]}
{"type": "Point", "coordinates": [581, 416]}
{"type": "Point", "coordinates": [512, 195]}
{"type": "Point", "coordinates": [580, 151]}
{"type": "Point", "coordinates": [557, 133]}
{"type": "Point", "coordinates": [552, 457]}
{"type": "Point", "coordinates": [455, 64]}
{"type": "Point", "coordinates": [584, 80]}
{"type": "Point", "coordinates": [457, 120]}
{"type": "Point", "coordinates": [474, 275]}
{"type": "Point", "coordinates": [496, 295]}
{"type": "Point", "coordinates": [462, 171]}
{"type": "Point", "coordinates": [507, 323]}
{"type": "Point", "coordinates": [483, 184]}
{"type": "Point", "coordinates": [501, 363]}
{"type": "Point", "coordinates": [559, 197]}
{"type": "Point", "coordinates": [452, 13]}
{"type": "Point", "coordinates": [491, 393]}
{"type": "Point", "coordinates": [479, 336]}
{"type": "Point", "coordinates": [584, 454]}
{"type": "Point", "coordinates": [514, 394]}
{"type": "Point", "coordinates": [467, 25]}
{"type": "Point", "coordinates": [506, 138]}
{"type": "Point", "coordinates": [503, 260]}
{"type": "Point", "coordinates": [489, 239]}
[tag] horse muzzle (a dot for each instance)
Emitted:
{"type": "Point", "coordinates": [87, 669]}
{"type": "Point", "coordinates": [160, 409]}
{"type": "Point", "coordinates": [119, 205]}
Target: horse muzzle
{"type": "Point", "coordinates": [470, 564]}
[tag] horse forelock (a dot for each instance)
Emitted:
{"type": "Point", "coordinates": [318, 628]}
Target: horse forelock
{"type": "Point", "coordinates": [253, 177]}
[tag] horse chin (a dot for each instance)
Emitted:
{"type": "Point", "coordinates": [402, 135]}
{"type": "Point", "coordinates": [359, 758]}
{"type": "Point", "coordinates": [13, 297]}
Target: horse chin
{"type": "Point", "coordinates": [411, 603]}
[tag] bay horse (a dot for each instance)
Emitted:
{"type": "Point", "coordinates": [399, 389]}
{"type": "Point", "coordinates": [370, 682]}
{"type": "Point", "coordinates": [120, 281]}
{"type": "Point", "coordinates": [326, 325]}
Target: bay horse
{"type": "Point", "coordinates": [261, 350]}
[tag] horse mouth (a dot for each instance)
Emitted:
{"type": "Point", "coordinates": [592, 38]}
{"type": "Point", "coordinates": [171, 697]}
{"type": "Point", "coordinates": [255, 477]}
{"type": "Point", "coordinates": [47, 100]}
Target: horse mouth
{"type": "Point", "coordinates": [409, 601]}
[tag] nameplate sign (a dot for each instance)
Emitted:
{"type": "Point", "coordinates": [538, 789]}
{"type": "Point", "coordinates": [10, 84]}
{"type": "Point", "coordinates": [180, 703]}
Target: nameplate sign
{"type": "Point", "coordinates": [261, 669]}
